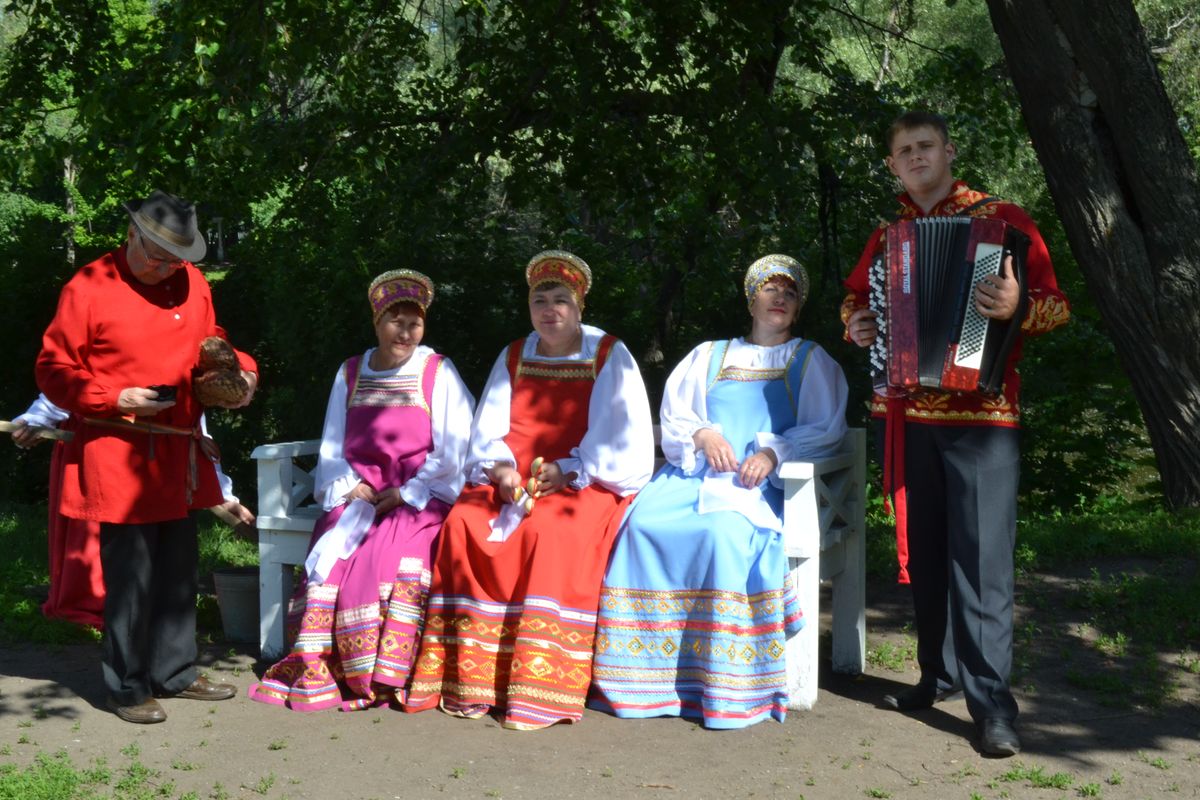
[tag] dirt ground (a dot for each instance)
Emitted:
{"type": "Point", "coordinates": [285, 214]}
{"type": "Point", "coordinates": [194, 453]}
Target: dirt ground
{"type": "Point", "coordinates": [1076, 743]}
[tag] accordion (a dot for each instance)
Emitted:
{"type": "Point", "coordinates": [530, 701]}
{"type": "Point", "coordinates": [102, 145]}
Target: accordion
{"type": "Point", "coordinates": [922, 289]}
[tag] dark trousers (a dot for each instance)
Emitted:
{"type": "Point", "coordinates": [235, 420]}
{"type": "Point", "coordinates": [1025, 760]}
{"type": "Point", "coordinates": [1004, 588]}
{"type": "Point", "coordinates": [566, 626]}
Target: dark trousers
{"type": "Point", "coordinates": [150, 576]}
{"type": "Point", "coordinates": [962, 524]}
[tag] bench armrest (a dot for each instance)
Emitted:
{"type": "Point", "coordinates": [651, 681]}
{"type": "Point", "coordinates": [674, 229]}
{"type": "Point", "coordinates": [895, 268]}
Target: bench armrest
{"type": "Point", "coordinates": [308, 447]}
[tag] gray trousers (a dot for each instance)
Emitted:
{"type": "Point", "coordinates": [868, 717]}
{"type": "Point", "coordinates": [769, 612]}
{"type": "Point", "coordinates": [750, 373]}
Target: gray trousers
{"type": "Point", "coordinates": [962, 524]}
{"type": "Point", "coordinates": [150, 577]}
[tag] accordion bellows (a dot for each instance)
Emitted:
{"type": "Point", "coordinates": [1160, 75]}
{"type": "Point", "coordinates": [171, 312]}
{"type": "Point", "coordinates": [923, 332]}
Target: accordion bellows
{"type": "Point", "coordinates": [220, 382]}
{"type": "Point", "coordinates": [922, 289]}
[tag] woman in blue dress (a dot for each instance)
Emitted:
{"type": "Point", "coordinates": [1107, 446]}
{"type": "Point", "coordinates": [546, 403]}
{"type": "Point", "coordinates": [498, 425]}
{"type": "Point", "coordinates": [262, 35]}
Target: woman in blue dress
{"type": "Point", "coordinates": [696, 605]}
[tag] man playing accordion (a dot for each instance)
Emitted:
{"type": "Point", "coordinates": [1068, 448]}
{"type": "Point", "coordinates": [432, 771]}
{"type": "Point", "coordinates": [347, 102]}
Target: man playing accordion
{"type": "Point", "coordinates": [952, 459]}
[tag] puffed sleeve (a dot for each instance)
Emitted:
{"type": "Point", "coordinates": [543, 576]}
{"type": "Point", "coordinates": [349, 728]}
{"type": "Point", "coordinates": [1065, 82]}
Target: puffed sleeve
{"type": "Point", "coordinates": [1048, 307]}
{"type": "Point", "coordinates": [442, 473]}
{"type": "Point", "coordinates": [820, 413]}
{"type": "Point", "coordinates": [491, 424]}
{"type": "Point", "coordinates": [334, 476]}
{"type": "Point", "coordinates": [617, 451]}
{"type": "Point", "coordinates": [684, 410]}
{"type": "Point", "coordinates": [43, 412]}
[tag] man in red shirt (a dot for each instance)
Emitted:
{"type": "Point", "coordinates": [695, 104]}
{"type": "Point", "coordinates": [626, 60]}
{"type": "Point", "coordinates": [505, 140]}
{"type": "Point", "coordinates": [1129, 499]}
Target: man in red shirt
{"type": "Point", "coordinates": [119, 354]}
{"type": "Point", "coordinates": [957, 462]}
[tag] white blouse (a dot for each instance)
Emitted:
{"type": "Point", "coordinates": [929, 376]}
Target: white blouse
{"type": "Point", "coordinates": [617, 451]}
{"type": "Point", "coordinates": [441, 475]}
{"type": "Point", "coordinates": [820, 404]}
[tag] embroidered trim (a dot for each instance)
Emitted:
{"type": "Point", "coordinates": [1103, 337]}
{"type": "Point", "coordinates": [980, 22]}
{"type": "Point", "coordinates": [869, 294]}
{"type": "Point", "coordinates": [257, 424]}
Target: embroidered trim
{"type": "Point", "coordinates": [373, 391]}
{"type": "Point", "coordinates": [559, 370]}
{"type": "Point", "coordinates": [1046, 314]}
{"type": "Point", "coordinates": [1006, 418]}
{"type": "Point", "coordinates": [750, 374]}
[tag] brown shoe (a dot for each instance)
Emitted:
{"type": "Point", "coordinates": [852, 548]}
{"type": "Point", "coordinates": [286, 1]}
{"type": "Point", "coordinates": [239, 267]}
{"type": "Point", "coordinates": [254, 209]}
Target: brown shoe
{"type": "Point", "coordinates": [204, 689]}
{"type": "Point", "coordinates": [147, 712]}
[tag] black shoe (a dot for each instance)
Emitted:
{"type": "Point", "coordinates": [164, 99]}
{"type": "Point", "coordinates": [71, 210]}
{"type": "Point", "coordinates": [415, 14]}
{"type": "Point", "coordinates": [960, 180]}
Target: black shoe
{"type": "Point", "coordinates": [998, 737]}
{"type": "Point", "coordinates": [913, 698]}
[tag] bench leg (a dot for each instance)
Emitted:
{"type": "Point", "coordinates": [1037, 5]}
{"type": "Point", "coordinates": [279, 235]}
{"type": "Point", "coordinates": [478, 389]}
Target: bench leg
{"type": "Point", "coordinates": [802, 649]}
{"type": "Point", "coordinates": [274, 590]}
{"type": "Point", "coordinates": [849, 609]}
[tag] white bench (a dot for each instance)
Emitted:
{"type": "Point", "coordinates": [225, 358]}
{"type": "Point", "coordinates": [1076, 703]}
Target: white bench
{"type": "Point", "coordinates": [285, 525]}
{"type": "Point", "coordinates": [824, 532]}
{"type": "Point", "coordinates": [824, 538]}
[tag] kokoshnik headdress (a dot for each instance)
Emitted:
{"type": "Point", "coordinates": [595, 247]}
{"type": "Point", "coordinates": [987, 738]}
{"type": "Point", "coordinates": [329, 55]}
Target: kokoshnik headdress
{"type": "Point", "coordinates": [771, 266]}
{"type": "Point", "coordinates": [559, 266]}
{"type": "Point", "coordinates": [399, 286]}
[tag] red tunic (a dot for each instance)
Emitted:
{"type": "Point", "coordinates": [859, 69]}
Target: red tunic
{"type": "Point", "coordinates": [112, 332]}
{"type": "Point", "coordinates": [511, 624]}
{"type": "Point", "coordinates": [76, 577]}
{"type": "Point", "coordinates": [1047, 310]}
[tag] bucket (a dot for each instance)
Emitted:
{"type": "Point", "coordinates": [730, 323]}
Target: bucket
{"type": "Point", "coordinates": [237, 597]}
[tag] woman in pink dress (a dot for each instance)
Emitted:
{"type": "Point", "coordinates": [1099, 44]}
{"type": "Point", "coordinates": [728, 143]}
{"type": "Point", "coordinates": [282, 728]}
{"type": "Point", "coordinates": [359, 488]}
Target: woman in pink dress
{"type": "Point", "coordinates": [391, 465]}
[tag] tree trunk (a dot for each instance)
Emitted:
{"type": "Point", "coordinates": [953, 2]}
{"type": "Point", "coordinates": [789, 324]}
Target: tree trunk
{"type": "Point", "coordinates": [69, 174]}
{"type": "Point", "coordinates": [1125, 186]}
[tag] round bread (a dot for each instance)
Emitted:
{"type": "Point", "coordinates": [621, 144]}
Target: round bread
{"type": "Point", "coordinates": [217, 354]}
{"type": "Point", "coordinates": [221, 387]}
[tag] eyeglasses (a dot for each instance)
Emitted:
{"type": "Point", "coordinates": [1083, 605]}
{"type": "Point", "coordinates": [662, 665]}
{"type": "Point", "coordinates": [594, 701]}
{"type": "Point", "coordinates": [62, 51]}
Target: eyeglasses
{"type": "Point", "coordinates": [155, 261]}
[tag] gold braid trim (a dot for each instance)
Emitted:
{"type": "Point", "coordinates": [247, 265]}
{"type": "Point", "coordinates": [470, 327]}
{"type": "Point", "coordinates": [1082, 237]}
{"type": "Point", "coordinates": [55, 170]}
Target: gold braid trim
{"type": "Point", "coordinates": [1046, 312]}
{"type": "Point", "coordinates": [1007, 417]}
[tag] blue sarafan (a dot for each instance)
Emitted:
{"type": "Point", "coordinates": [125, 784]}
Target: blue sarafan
{"type": "Point", "coordinates": [696, 607]}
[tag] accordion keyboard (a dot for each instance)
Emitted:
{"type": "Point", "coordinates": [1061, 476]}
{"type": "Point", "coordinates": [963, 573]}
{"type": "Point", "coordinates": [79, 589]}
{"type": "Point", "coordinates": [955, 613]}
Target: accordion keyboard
{"type": "Point", "coordinates": [877, 302]}
{"type": "Point", "coordinates": [974, 328]}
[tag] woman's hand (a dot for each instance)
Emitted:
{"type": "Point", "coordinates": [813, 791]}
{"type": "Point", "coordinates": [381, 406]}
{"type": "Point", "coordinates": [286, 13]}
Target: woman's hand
{"type": "Point", "coordinates": [361, 492]}
{"type": "Point", "coordinates": [716, 449]}
{"type": "Point", "coordinates": [551, 478]}
{"type": "Point", "coordinates": [25, 436]}
{"type": "Point", "coordinates": [388, 500]}
{"type": "Point", "coordinates": [506, 479]}
{"type": "Point", "coordinates": [757, 467]}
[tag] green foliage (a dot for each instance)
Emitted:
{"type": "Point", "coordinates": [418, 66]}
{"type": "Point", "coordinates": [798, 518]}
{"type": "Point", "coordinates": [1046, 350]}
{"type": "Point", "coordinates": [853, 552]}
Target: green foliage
{"type": "Point", "coordinates": [668, 144]}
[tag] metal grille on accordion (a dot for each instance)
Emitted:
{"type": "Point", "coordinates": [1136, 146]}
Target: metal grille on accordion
{"type": "Point", "coordinates": [922, 290]}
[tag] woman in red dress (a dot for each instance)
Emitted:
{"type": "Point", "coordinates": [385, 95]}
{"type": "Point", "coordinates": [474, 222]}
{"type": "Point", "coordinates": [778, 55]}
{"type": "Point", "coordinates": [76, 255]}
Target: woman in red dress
{"type": "Point", "coordinates": [561, 442]}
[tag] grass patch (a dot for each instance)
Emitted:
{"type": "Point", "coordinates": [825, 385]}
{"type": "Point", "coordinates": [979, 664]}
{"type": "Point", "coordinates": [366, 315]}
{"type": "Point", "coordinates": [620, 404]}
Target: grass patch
{"type": "Point", "coordinates": [1109, 528]}
{"type": "Point", "coordinates": [1037, 777]}
{"type": "Point", "coordinates": [24, 575]}
{"type": "Point", "coordinates": [24, 572]}
{"type": "Point", "coordinates": [47, 778]}
{"type": "Point", "coordinates": [1139, 628]}
{"type": "Point", "coordinates": [55, 777]}
{"type": "Point", "coordinates": [893, 657]}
